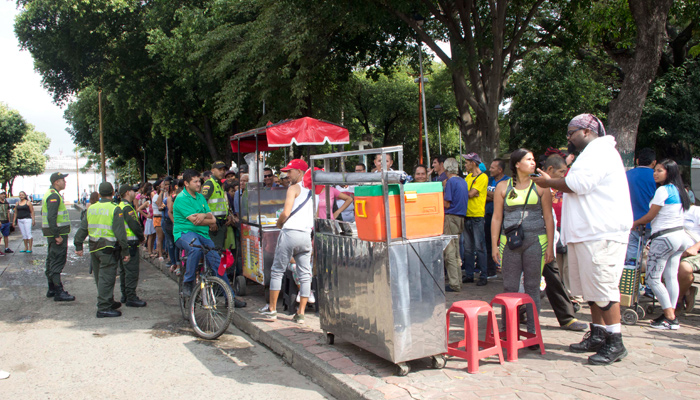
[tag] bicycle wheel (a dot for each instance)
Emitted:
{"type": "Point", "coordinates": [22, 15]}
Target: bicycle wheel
{"type": "Point", "coordinates": [181, 299]}
{"type": "Point", "coordinates": [211, 308]}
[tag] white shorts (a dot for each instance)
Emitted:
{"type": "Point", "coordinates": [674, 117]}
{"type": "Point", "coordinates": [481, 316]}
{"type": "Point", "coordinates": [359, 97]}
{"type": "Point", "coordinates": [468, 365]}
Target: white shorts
{"type": "Point", "coordinates": [595, 269]}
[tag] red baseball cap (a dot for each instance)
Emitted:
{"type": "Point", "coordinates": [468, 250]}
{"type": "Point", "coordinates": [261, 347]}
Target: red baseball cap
{"type": "Point", "coordinates": [296, 163]}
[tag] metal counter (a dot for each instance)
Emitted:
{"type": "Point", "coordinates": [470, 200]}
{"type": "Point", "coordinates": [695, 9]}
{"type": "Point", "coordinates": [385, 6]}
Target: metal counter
{"type": "Point", "coordinates": [385, 298]}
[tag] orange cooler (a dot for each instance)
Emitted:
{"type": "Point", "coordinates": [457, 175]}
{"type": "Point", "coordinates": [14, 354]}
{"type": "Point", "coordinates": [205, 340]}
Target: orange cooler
{"type": "Point", "coordinates": [424, 208]}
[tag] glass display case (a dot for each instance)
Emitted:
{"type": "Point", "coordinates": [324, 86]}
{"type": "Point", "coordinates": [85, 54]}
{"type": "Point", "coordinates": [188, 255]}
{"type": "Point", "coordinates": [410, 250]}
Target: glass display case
{"type": "Point", "coordinates": [265, 204]}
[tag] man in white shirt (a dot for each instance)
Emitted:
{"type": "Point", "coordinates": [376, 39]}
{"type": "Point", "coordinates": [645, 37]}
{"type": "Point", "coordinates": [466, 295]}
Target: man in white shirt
{"type": "Point", "coordinates": [596, 221]}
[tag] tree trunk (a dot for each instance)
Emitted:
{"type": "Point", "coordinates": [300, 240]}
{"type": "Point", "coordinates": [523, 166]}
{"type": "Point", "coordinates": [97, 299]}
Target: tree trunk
{"type": "Point", "coordinates": [639, 71]}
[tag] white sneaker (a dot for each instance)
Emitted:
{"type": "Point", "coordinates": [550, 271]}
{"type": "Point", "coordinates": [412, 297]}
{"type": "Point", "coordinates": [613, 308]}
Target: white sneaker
{"type": "Point", "coordinates": [265, 308]}
{"type": "Point", "coordinates": [312, 299]}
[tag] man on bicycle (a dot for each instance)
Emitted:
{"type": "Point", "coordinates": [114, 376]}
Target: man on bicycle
{"type": "Point", "coordinates": [191, 224]}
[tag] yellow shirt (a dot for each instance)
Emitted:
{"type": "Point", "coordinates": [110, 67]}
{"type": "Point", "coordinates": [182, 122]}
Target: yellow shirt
{"type": "Point", "coordinates": [476, 207]}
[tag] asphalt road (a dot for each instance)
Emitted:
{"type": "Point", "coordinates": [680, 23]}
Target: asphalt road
{"type": "Point", "coordinates": [61, 350]}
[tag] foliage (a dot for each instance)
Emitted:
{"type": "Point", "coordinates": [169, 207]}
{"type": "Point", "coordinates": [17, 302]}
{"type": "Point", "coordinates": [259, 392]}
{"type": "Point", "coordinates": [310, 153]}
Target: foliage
{"type": "Point", "coordinates": [542, 107]}
{"type": "Point", "coordinates": [23, 147]}
{"type": "Point", "coordinates": [671, 119]}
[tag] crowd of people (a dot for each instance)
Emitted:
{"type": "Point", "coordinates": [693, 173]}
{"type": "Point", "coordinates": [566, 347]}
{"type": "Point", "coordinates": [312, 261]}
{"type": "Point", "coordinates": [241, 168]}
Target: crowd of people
{"type": "Point", "coordinates": [568, 219]}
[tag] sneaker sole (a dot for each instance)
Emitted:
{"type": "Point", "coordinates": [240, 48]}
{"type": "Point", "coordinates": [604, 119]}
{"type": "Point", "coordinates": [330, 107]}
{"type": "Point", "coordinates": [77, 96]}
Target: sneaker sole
{"type": "Point", "coordinates": [618, 359]}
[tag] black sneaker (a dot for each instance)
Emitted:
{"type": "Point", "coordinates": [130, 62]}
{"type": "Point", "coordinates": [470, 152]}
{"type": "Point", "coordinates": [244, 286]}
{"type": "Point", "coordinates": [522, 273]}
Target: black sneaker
{"type": "Point", "coordinates": [664, 323]}
{"type": "Point", "coordinates": [8, 251]}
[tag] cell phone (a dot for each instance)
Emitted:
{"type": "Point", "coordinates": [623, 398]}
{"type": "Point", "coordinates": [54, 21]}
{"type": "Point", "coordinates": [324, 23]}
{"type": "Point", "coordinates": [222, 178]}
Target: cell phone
{"type": "Point", "coordinates": [535, 175]}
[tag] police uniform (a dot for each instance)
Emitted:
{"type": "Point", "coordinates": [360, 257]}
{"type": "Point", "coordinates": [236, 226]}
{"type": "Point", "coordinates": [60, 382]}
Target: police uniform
{"type": "Point", "coordinates": [104, 223]}
{"type": "Point", "coordinates": [218, 204]}
{"type": "Point", "coordinates": [55, 222]}
{"type": "Point", "coordinates": [129, 271]}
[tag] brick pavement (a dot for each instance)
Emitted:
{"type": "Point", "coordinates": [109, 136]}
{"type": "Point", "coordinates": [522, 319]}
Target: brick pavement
{"type": "Point", "coordinates": [661, 365]}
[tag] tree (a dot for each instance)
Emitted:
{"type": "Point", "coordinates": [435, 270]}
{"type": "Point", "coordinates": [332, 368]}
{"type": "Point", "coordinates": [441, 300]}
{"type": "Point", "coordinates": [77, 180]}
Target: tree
{"type": "Point", "coordinates": [27, 157]}
{"type": "Point", "coordinates": [542, 106]}
{"type": "Point", "coordinates": [13, 128]}
{"type": "Point", "coordinates": [670, 122]}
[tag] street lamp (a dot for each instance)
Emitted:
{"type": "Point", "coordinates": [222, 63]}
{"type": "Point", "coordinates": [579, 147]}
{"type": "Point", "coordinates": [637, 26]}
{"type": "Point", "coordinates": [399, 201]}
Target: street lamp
{"type": "Point", "coordinates": [420, 21]}
{"type": "Point", "coordinates": [438, 111]}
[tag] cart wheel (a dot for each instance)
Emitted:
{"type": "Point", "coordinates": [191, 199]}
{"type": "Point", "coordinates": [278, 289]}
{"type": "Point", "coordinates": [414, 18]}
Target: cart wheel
{"type": "Point", "coordinates": [650, 309]}
{"type": "Point", "coordinates": [640, 311]}
{"type": "Point", "coordinates": [629, 317]}
{"type": "Point", "coordinates": [239, 286]}
{"type": "Point", "coordinates": [330, 338]}
{"type": "Point", "coordinates": [438, 361]}
{"type": "Point", "coordinates": [402, 369]}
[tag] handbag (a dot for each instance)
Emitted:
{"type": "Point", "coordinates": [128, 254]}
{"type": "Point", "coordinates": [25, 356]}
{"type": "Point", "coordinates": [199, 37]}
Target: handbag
{"type": "Point", "coordinates": [514, 234]}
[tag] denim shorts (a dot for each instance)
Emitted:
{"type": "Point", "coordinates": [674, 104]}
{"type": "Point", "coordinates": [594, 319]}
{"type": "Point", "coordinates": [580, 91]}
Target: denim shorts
{"type": "Point", "coordinates": [5, 229]}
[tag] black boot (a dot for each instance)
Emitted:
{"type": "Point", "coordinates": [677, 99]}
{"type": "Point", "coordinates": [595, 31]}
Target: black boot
{"type": "Point", "coordinates": [52, 290]}
{"type": "Point", "coordinates": [62, 295]}
{"type": "Point", "coordinates": [593, 340]}
{"type": "Point", "coordinates": [613, 350]}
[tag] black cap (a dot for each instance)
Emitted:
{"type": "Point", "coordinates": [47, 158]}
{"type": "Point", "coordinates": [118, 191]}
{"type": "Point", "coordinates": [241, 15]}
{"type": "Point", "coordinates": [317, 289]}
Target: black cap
{"type": "Point", "coordinates": [218, 164]}
{"type": "Point", "coordinates": [56, 176]}
{"type": "Point", "coordinates": [105, 189]}
{"type": "Point", "coordinates": [125, 188]}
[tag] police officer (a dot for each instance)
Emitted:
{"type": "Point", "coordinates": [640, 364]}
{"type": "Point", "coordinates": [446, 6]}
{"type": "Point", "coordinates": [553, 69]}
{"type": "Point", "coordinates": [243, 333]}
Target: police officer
{"type": "Point", "coordinates": [55, 225]}
{"type": "Point", "coordinates": [218, 203]}
{"type": "Point", "coordinates": [129, 271]}
{"type": "Point", "coordinates": [104, 223]}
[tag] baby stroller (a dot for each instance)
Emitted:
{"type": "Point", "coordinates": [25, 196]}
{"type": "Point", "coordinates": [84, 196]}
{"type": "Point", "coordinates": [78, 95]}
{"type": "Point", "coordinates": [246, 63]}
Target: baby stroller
{"type": "Point", "coordinates": [629, 285]}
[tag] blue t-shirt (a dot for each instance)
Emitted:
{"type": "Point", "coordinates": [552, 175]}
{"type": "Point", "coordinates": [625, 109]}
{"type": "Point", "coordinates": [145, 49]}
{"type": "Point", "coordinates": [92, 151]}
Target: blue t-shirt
{"type": "Point", "coordinates": [492, 188]}
{"type": "Point", "coordinates": [642, 189]}
{"type": "Point", "coordinates": [457, 193]}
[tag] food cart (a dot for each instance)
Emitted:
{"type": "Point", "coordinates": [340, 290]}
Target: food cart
{"type": "Point", "coordinates": [260, 207]}
{"type": "Point", "coordinates": [388, 296]}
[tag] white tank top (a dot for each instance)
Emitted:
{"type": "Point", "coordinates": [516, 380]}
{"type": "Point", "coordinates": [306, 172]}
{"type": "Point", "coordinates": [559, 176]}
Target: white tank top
{"type": "Point", "coordinates": [302, 220]}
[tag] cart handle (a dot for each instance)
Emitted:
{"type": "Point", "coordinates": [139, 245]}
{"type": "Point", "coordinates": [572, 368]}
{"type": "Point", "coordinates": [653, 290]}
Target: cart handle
{"type": "Point", "coordinates": [361, 204]}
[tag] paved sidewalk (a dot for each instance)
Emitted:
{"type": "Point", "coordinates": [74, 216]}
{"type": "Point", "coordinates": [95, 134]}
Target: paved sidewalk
{"type": "Point", "coordinates": [661, 365]}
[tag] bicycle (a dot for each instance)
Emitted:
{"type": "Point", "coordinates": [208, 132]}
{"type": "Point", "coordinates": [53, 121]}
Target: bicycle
{"type": "Point", "coordinates": [210, 308]}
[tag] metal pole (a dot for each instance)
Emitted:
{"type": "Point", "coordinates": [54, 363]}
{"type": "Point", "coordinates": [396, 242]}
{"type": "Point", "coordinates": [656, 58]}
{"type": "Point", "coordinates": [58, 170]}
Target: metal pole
{"type": "Point", "coordinates": [422, 93]}
{"type": "Point", "coordinates": [102, 142]}
{"type": "Point", "coordinates": [439, 135]}
{"type": "Point", "coordinates": [167, 159]}
{"type": "Point", "coordinates": [77, 174]}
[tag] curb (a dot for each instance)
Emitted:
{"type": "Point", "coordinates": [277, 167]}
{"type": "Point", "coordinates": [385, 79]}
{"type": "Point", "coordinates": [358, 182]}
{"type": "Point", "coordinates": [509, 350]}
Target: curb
{"type": "Point", "coordinates": [331, 379]}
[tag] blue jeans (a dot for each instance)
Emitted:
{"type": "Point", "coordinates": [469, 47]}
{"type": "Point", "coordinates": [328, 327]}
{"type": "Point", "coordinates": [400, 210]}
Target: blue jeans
{"type": "Point", "coordinates": [194, 254]}
{"type": "Point", "coordinates": [474, 247]}
{"type": "Point", "coordinates": [633, 245]}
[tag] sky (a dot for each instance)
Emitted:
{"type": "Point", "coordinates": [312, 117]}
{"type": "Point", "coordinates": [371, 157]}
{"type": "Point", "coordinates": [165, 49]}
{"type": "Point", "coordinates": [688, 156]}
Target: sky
{"type": "Point", "coordinates": [21, 89]}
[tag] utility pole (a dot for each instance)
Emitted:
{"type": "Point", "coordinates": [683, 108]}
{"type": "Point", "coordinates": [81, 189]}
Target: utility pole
{"type": "Point", "coordinates": [102, 141]}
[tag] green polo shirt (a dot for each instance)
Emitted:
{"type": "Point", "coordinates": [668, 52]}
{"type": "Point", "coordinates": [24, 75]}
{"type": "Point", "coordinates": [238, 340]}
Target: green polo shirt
{"type": "Point", "coordinates": [184, 206]}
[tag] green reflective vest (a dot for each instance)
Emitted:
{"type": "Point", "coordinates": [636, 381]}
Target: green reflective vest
{"type": "Point", "coordinates": [62, 219]}
{"type": "Point", "coordinates": [99, 218]}
{"type": "Point", "coordinates": [130, 235]}
{"type": "Point", "coordinates": [217, 201]}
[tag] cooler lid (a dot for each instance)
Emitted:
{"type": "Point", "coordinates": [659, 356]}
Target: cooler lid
{"type": "Point", "coordinates": [419, 188]}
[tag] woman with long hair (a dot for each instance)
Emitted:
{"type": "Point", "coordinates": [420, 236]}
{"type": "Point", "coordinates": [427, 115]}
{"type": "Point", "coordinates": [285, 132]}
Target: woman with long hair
{"type": "Point", "coordinates": [518, 201]}
{"type": "Point", "coordinates": [24, 217]}
{"type": "Point", "coordinates": [668, 240]}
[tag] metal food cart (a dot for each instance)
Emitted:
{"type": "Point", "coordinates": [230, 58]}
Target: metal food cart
{"type": "Point", "coordinates": [259, 206]}
{"type": "Point", "coordinates": [385, 297]}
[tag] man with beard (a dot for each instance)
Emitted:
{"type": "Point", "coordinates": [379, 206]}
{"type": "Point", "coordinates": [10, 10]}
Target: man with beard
{"type": "Point", "coordinates": [596, 220]}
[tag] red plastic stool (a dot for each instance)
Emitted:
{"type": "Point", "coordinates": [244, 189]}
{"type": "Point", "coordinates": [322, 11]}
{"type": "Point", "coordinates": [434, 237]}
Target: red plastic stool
{"type": "Point", "coordinates": [471, 310]}
{"type": "Point", "coordinates": [513, 333]}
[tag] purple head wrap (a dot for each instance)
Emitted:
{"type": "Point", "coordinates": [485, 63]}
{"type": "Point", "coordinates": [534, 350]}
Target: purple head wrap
{"type": "Point", "coordinates": [588, 121]}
